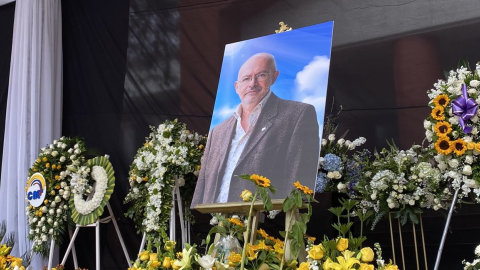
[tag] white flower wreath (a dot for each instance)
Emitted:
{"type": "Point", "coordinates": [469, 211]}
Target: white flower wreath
{"type": "Point", "coordinates": [85, 207]}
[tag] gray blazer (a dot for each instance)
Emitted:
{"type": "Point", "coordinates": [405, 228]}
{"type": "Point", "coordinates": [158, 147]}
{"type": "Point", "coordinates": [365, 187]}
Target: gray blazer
{"type": "Point", "coordinates": [283, 146]}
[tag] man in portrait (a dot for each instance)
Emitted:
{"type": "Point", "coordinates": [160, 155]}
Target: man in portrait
{"type": "Point", "coordinates": [266, 135]}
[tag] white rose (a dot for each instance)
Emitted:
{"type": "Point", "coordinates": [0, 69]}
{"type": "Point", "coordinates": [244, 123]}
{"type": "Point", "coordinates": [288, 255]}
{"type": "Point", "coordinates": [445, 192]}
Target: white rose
{"type": "Point", "coordinates": [470, 183]}
{"type": "Point", "coordinates": [331, 137]}
{"type": "Point", "coordinates": [391, 205]}
{"type": "Point", "coordinates": [340, 141]}
{"type": "Point", "coordinates": [44, 209]}
{"type": "Point", "coordinates": [341, 187]}
{"type": "Point", "coordinates": [411, 202]}
{"type": "Point", "coordinates": [337, 175]}
{"type": "Point", "coordinates": [214, 221]}
{"type": "Point", "coordinates": [427, 124]}
{"type": "Point", "coordinates": [453, 163]}
{"type": "Point", "coordinates": [471, 91]}
{"type": "Point", "coordinates": [51, 211]}
{"type": "Point", "coordinates": [62, 159]}
{"type": "Point", "coordinates": [474, 119]}
{"type": "Point", "coordinates": [324, 142]}
{"type": "Point", "coordinates": [477, 251]}
{"type": "Point", "coordinates": [474, 131]}
{"type": "Point", "coordinates": [54, 153]}
{"type": "Point", "coordinates": [453, 120]}
{"type": "Point", "coordinates": [474, 83]}
{"type": "Point", "coordinates": [59, 211]}
{"type": "Point", "coordinates": [429, 135]}
{"type": "Point", "coordinates": [467, 170]}
{"type": "Point", "coordinates": [330, 175]}
{"type": "Point", "coordinates": [469, 159]}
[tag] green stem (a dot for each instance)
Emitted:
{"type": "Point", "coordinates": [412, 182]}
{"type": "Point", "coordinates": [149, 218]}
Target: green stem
{"type": "Point", "coordinates": [245, 243]}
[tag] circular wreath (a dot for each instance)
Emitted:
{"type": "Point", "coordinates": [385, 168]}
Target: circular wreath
{"type": "Point", "coordinates": [171, 153]}
{"type": "Point", "coordinates": [88, 202]}
{"type": "Point", "coordinates": [452, 129]}
{"type": "Point", "coordinates": [49, 219]}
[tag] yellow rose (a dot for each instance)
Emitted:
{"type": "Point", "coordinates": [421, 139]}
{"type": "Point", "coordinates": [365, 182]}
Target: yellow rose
{"type": "Point", "coordinates": [166, 263]}
{"type": "Point", "coordinates": [391, 267]}
{"type": "Point", "coordinates": [366, 266]}
{"type": "Point", "coordinates": [304, 266]}
{"type": "Point", "coordinates": [367, 254]}
{"type": "Point", "coordinates": [169, 245]}
{"type": "Point", "coordinates": [153, 257]}
{"type": "Point", "coordinates": [342, 244]}
{"type": "Point", "coordinates": [144, 256]}
{"type": "Point", "coordinates": [246, 195]}
{"type": "Point", "coordinates": [316, 252]}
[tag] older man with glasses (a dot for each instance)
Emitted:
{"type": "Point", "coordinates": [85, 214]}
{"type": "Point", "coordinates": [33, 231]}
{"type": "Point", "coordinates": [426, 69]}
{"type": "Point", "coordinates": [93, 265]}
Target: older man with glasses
{"type": "Point", "coordinates": [266, 135]}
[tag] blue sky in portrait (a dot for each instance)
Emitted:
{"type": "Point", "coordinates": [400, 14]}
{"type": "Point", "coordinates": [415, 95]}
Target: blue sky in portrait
{"type": "Point", "coordinates": [303, 60]}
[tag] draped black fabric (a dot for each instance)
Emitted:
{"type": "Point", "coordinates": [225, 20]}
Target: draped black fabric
{"type": "Point", "coordinates": [7, 13]}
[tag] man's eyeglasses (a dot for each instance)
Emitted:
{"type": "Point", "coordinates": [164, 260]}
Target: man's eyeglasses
{"type": "Point", "coordinates": [260, 77]}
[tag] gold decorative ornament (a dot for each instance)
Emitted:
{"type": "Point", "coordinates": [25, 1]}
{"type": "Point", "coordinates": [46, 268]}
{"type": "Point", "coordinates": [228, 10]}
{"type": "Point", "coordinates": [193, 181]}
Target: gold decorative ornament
{"type": "Point", "coordinates": [283, 28]}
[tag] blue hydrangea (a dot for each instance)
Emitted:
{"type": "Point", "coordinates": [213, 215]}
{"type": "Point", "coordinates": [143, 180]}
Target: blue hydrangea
{"type": "Point", "coordinates": [321, 182]}
{"type": "Point", "coordinates": [332, 163]}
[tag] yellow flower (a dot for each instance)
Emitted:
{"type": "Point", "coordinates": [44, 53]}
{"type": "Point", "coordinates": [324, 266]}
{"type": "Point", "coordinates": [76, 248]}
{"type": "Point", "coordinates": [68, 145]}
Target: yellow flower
{"type": "Point", "coordinates": [391, 267]}
{"type": "Point", "coordinates": [143, 256]}
{"type": "Point", "coordinates": [47, 165]}
{"type": "Point", "coordinates": [5, 250]}
{"type": "Point", "coordinates": [262, 233]}
{"type": "Point", "coordinates": [251, 254]}
{"type": "Point", "coordinates": [54, 166]}
{"type": "Point", "coordinates": [304, 266]}
{"type": "Point", "coordinates": [437, 113]}
{"type": "Point", "coordinates": [303, 188]}
{"type": "Point", "coordinates": [44, 159]}
{"type": "Point", "coordinates": [316, 252]}
{"type": "Point", "coordinates": [441, 101]}
{"type": "Point", "coordinates": [246, 195]}
{"type": "Point", "coordinates": [311, 238]}
{"type": "Point", "coordinates": [367, 254]}
{"type": "Point", "coordinates": [471, 146]}
{"type": "Point", "coordinates": [169, 245]}
{"type": "Point", "coordinates": [166, 263]}
{"type": "Point", "coordinates": [261, 245]}
{"type": "Point", "coordinates": [443, 145]}
{"type": "Point", "coordinates": [153, 265]}
{"type": "Point", "coordinates": [326, 264]}
{"type": "Point", "coordinates": [153, 257]}
{"type": "Point", "coordinates": [236, 221]}
{"type": "Point", "coordinates": [477, 147]}
{"type": "Point", "coordinates": [459, 147]}
{"type": "Point", "coordinates": [260, 180]}
{"type": "Point", "coordinates": [234, 259]}
{"type": "Point", "coordinates": [59, 167]}
{"type": "Point", "coordinates": [57, 177]}
{"type": "Point", "coordinates": [366, 266]}
{"type": "Point", "coordinates": [278, 247]}
{"type": "Point", "coordinates": [346, 262]}
{"type": "Point", "coordinates": [15, 262]}
{"type": "Point", "coordinates": [200, 146]}
{"type": "Point", "coordinates": [442, 128]}
{"type": "Point", "coordinates": [342, 244]}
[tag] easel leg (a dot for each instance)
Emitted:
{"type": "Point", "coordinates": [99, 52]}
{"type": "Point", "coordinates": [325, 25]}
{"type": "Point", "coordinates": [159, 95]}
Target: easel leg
{"type": "Point", "coordinates": [119, 235]}
{"type": "Point", "coordinates": [70, 246]}
{"type": "Point", "coordinates": [50, 257]}
{"type": "Point", "coordinates": [97, 245]}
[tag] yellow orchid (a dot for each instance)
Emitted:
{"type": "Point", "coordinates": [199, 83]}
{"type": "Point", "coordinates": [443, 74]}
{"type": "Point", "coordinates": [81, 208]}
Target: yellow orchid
{"type": "Point", "coordinates": [345, 262]}
{"type": "Point", "coordinates": [5, 250]}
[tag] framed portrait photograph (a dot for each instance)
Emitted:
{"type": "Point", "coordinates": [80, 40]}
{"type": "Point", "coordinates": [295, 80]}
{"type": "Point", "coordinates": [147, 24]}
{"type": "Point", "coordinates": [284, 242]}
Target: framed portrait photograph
{"type": "Point", "coordinates": [268, 114]}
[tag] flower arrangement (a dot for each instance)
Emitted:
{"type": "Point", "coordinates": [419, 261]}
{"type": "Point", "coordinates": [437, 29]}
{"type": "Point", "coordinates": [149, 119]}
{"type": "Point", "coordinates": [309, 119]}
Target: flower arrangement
{"type": "Point", "coordinates": [403, 182]}
{"type": "Point", "coordinates": [345, 251]}
{"type": "Point", "coordinates": [337, 172]}
{"type": "Point", "coordinates": [170, 154]}
{"type": "Point", "coordinates": [7, 261]}
{"type": "Point", "coordinates": [55, 162]}
{"type": "Point", "coordinates": [475, 264]}
{"type": "Point", "coordinates": [452, 129]}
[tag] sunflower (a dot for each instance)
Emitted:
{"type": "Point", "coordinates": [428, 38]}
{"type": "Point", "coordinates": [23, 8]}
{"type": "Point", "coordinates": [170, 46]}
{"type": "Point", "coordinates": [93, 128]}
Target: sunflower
{"type": "Point", "coordinates": [442, 128]}
{"type": "Point", "coordinates": [443, 145]}
{"type": "Point", "coordinates": [441, 100]}
{"type": "Point", "coordinates": [236, 221]}
{"type": "Point", "coordinates": [437, 113]}
{"type": "Point", "coordinates": [459, 147]}
{"type": "Point", "coordinates": [303, 188]}
{"type": "Point", "coordinates": [260, 180]}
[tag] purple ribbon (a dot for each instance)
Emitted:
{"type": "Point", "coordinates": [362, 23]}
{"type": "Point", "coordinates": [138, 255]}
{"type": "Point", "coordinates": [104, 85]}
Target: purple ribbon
{"type": "Point", "coordinates": [464, 107]}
